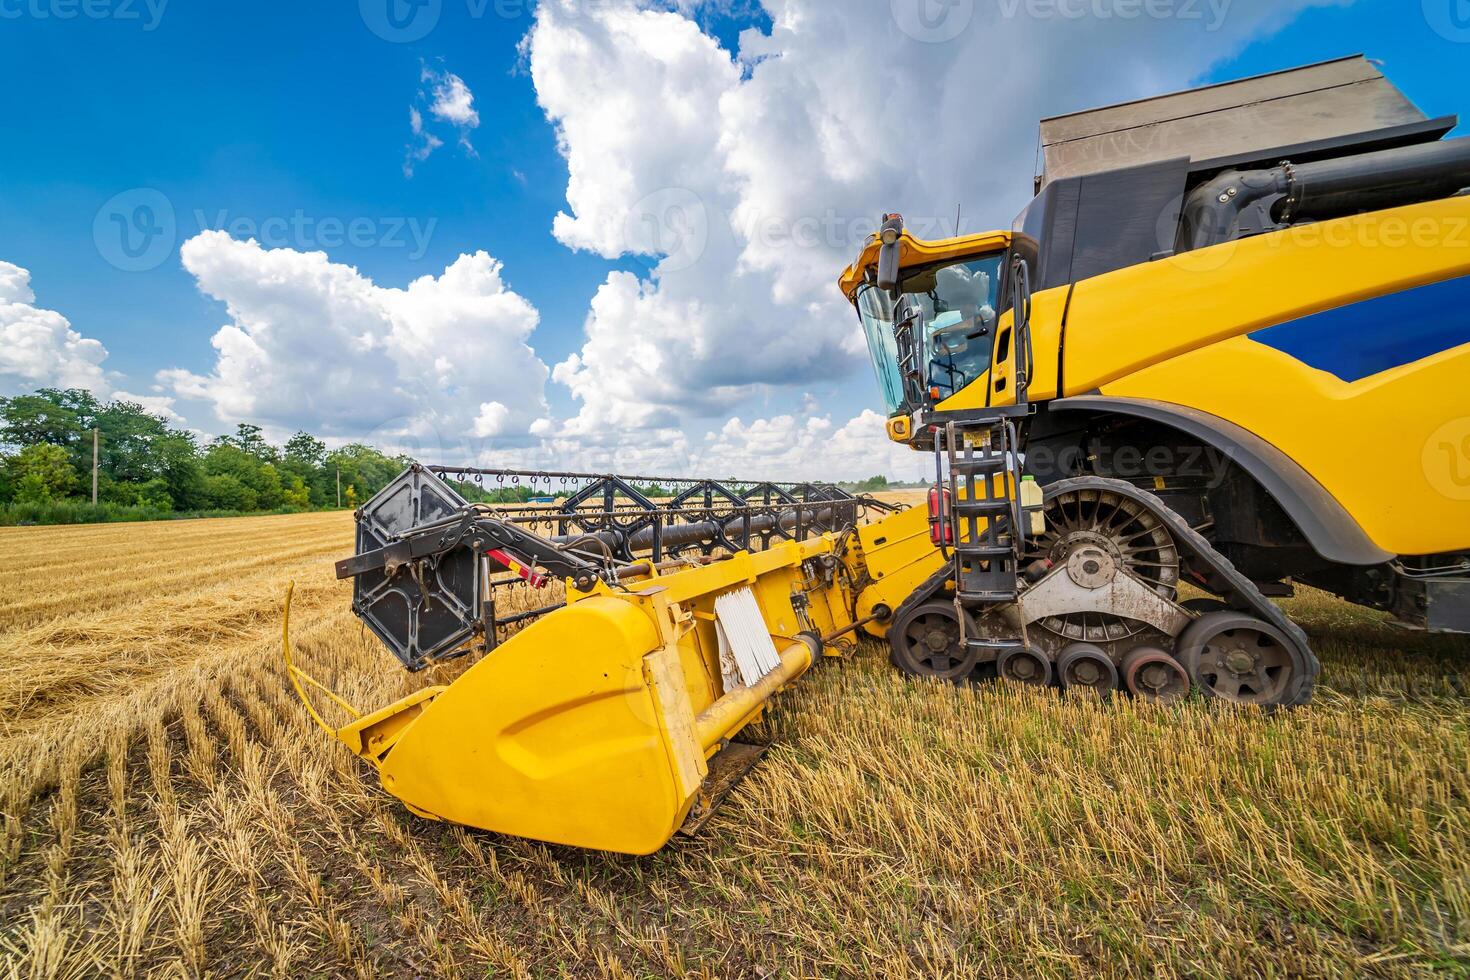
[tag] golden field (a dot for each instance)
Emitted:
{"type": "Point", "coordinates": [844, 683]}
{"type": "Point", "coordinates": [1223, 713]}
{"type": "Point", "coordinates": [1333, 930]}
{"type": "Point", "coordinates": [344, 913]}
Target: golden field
{"type": "Point", "coordinates": [170, 810]}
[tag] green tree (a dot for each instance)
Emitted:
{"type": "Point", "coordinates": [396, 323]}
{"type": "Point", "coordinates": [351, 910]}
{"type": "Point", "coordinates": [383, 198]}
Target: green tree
{"type": "Point", "coordinates": [870, 485]}
{"type": "Point", "coordinates": [225, 491]}
{"type": "Point", "coordinates": [144, 461]}
{"type": "Point", "coordinates": [52, 416]}
{"type": "Point", "coordinates": [41, 473]}
{"type": "Point", "coordinates": [181, 470]}
{"type": "Point", "coordinates": [295, 493]}
{"type": "Point", "coordinates": [226, 458]}
{"type": "Point", "coordinates": [155, 495]}
{"type": "Point", "coordinates": [110, 491]}
{"type": "Point", "coordinates": [364, 468]}
{"type": "Point", "coordinates": [305, 458]}
{"type": "Point", "coordinates": [269, 493]}
{"type": "Point", "coordinates": [307, 449]}
{"type": "Point", "coordinates": [250, 439]}
{"type": "Point", "coordinates": [129, 442]}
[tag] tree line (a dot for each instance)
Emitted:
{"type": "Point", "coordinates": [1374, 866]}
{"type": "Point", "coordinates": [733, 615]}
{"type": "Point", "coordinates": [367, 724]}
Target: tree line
{"type": "Point", "coordinates": [147, 467]}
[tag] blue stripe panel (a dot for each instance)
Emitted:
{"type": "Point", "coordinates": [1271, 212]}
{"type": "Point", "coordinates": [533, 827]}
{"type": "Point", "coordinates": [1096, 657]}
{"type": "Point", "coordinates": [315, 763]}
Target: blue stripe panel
{"type": "Point", "coordinates": [1376, 334]}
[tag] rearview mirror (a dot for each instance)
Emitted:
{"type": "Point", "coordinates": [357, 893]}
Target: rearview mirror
{"type": "Point", "coordinates": [890, 254]}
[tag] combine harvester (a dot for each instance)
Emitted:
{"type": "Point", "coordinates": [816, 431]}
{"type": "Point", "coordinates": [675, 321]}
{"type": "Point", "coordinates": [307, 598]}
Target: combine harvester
{"type": "Point", "coordinates": [1225, 346]}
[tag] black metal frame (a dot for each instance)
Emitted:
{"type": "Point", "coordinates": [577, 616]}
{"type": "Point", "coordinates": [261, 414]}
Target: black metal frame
{"type": "Point", "coordinates": [606, 517]}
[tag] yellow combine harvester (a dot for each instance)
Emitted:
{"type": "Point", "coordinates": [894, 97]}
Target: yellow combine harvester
{"type": "Point", "coordinates": [1226, 346]}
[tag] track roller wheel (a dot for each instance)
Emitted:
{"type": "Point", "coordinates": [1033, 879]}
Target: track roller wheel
{"type": "Point", "coordinates": [926, 642]}
{"type": "Point", "coordinates": [1235, 657]}
{"type": "Point", "coordinates": [1084, 667]}
{"type": "Point", "coordinates": [1025, 666]}
{"type": "Point", "coordinates": [1153, 675]}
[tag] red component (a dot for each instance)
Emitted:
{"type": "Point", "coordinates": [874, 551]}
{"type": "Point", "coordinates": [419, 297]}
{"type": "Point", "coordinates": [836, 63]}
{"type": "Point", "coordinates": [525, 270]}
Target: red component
{"type": "Point", "coordinates": [940, 505]}
{"type": "Point", "coordinates": [533, 579]}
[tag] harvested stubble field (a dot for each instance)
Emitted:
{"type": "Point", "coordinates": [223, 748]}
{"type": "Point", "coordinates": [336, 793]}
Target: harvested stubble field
{"type": "Point", "coordinates": [170, 810]}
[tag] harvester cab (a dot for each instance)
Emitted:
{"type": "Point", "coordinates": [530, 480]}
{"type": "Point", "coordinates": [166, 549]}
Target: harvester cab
{"type": "Point", "coordinates": [932, 317]}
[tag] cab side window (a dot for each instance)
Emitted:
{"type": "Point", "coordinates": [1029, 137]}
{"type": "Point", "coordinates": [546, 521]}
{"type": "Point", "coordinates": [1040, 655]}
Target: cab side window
{"type": "Point", "coordinates": [958, 302]}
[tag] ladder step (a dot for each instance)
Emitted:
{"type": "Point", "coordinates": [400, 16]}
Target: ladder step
{"type": "Point", "coordinates": [984, 550]}
{"type": "Point", "coordinates": [978, 465]}
{"type": "Point", "coordinates": [967, 508]}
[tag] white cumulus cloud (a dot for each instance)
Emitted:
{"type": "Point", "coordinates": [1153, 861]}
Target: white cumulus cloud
{"type": "Point", "coordinates": [452, 99]}
{"type": "Point", "coordinates": [449, 100]}
{"type": "Point", "coordinates": [315, 344]}
{"type": "Point", "coordinates": [789, 447]}
{"type": "Point", "coordinates": [423, 143]}
{"type": "Point", "coordinates": [750, 178]}
{"type": "Point", "coordinates": [38, 347]}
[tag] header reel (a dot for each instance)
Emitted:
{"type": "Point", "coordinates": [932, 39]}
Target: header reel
{"type": "Point", "coordinates": [425, 556]}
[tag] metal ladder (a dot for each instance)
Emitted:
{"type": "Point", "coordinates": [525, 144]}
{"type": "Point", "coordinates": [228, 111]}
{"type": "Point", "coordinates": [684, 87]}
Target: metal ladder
{"type": "Point", "coordinates": [984, 478]}
{"type": "Point", "coordinates": [985, 488]}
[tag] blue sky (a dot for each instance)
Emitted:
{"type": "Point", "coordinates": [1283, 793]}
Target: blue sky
{"type": "Point", "coordinates": [299, 112]}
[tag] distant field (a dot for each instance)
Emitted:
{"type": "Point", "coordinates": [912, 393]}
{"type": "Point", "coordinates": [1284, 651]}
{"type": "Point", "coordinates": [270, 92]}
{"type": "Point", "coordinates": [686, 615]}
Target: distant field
{"type": "Point", "coordinates": [170, 810]}
{"type": "Point", "coordinates": [911, 497]}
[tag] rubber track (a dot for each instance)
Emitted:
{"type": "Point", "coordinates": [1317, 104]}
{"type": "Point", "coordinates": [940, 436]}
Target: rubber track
{"type": "Point", "coordinates": [1215, 573]}
{"type": "Point", "coordinates": [916, 598]}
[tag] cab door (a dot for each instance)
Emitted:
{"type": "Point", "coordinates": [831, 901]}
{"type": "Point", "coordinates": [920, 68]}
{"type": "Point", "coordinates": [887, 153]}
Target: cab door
{"type": "Point", "coordinates": [1032, 351]}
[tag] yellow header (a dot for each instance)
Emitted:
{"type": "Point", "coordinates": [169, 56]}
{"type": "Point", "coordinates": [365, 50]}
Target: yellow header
{"type": "Point", "coordinates": [917, 251]}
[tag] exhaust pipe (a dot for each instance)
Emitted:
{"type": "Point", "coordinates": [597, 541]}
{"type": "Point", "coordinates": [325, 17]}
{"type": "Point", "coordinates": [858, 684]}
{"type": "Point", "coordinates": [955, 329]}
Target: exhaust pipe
{"type": "Point", "coordinates": [1325, 189]}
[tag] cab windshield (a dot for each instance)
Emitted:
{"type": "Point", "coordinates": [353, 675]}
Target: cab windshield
{"type": "Point", "coordinates": [951, 310]}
